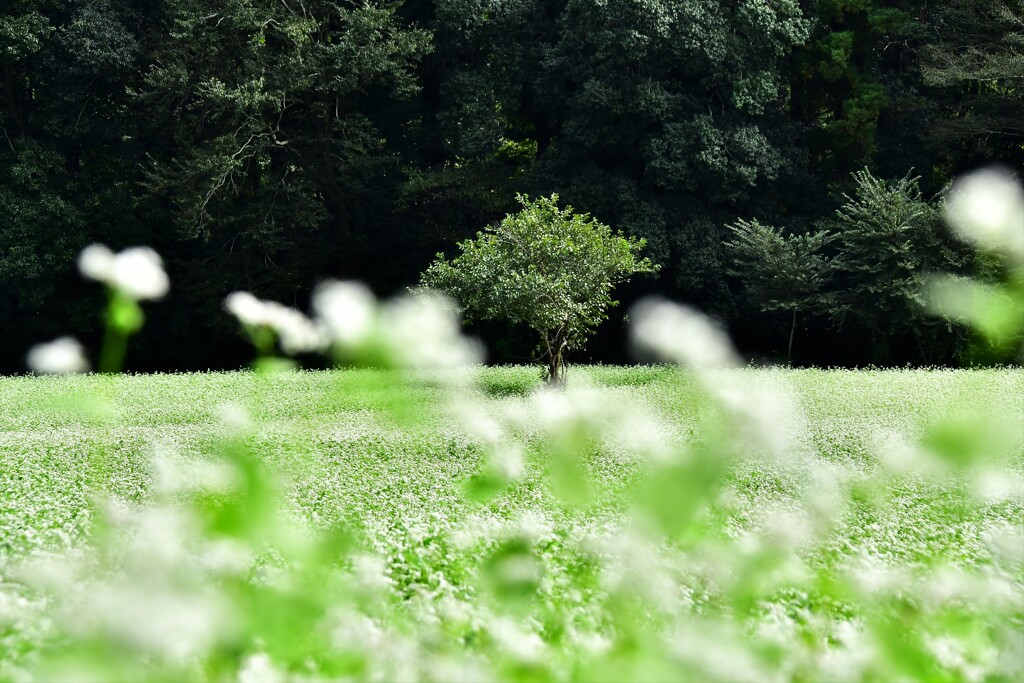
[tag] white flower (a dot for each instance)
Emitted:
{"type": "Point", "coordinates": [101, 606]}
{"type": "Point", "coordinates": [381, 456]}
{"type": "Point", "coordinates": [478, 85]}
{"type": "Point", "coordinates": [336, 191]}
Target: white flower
{"type": "Point", "coordinates": [96, 262]}
{"type": "Point", "coordinates": [234, 416]}
{"type": "Point", "coordinates": [681, 335]}
{"type": "Point", "coordinates": [522, 645]}
{"type": "Point", "coordinates": [297, 333]}
{"type": "Point", "coordinates": [259, 668]}
{"type": "Point", "coordinates": [61, 356]}
{"type": "Point", "coordinates": [424, 333]}
{"type": "Point", "coordinates": [346, 310]}
{"type": "Point", "coordinates": [247, 308]}
{"type": "Point", "coordinates": [137, 272]}
{"type": "Point", "coordinates": [987, 208]}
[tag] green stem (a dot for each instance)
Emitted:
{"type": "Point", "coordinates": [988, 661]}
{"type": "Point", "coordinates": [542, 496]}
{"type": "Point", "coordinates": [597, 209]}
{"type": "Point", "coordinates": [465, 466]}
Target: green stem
{"type": "Point", "coordinates": [115, 341]}
{"type": "Point", "coordinates": [792, 331]}
{"type": "Point", "coordinates": [124, 318]}
{"type": "Point", "coordinates": [115, 346]}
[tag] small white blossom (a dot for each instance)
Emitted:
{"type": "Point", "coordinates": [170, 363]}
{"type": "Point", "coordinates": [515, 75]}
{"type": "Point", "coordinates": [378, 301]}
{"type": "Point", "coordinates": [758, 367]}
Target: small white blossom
{"type": "Point", "coordinates": [259, 668]}
{"type": "Point", "coordinates": [296, 332]}
{"type": "Point", "coordinates": [59, 357]}
{"type": "Point", "coordinates": [248, 309]}
{"type": "Point", "coordinates": [522, 645]}
{"type": "Point", "coordinates": [987, 209]}
{"type": "Point", "coordinates": [424, 332]}
{"type": "Point", "coordinates": [346, 310]}
{"type": "Point", "coordinates": [234, 416]}
{"type": "Point", "coordinates": [371, 573]}
{"type": "Point", "coordinates": [682, 335]}
{"type": "Point", "coordinates": [137, 272]}
{"type": "Point", "coordinates": [96, 262]}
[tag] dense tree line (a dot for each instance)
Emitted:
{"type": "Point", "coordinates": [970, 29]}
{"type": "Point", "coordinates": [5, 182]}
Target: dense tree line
{"type": "Point", "coordinates": [267, 144]}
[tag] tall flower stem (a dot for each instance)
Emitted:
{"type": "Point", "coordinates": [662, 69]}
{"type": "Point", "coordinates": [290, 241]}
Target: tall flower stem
{"type": "Point", "coordinates": [124, 318]}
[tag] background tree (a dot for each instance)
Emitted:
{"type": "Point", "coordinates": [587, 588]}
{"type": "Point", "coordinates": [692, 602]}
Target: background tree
{"type": "Point", "coordinates": [548, 268]}
{"type": "Point", "coordinates": [890, 239]}
{"type": "Point", "coordinates": [667, 118]}
{"type": "Point", "coordinates": [781, 272]}
{"type": "Point", "coordinates": [856, 87]}
{"type": "Point", "coordinates": [275, 145]}
{"type": "Point", "coordinates": [69, 154]}
{"type": "Point", "coordinates": [266, 144]}
{"type": "Point", "coordinates": [976, 61]}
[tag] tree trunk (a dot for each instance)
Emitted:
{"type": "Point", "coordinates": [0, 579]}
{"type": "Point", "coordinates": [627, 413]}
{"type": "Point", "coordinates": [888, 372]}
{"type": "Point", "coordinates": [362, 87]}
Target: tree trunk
{"type": "Point", "coordinates": [554, 369]}
{"type": "Point", "coordinates": [792, 331]}
{"type": "Point", "coordinates": [555, 354]}
{"type": "Point", "coordinates": [12, 98]}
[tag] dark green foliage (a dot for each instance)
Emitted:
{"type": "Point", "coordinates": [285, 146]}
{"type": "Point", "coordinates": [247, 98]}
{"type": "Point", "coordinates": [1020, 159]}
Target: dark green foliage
{"type": "Point", "coordinates": [856, 81]}
{"type": "Point", "coordinates": [977, 58]}
{"type": "Point", "coordinates": [266, 98]}
{"type": "Point", "coordinates": [669, 126]}
{"type": "Point", "coordinates": [264, 145]}
{"type": "Point", "coordinates": [67, 151]}
{"type": "Point", "coordinates": [891, 239]}
{"type": "Point", "coordinates": [782, 272]}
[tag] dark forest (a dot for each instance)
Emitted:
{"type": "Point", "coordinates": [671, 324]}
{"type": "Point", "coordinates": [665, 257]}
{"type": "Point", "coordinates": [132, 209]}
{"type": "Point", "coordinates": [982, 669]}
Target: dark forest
{"type": "Point", "coordinates": [266, 145]}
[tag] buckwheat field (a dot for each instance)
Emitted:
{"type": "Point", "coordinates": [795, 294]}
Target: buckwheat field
{"type": "Point", "coordinates": [414, 516]}
{"type": "Point", "coordinates": [332, 526]}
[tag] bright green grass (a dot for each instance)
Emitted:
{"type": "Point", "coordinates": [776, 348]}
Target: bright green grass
{"type": "Point", "coordinates": [402, 486]}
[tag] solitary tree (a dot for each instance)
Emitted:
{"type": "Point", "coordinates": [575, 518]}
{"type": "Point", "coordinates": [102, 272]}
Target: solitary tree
{"type": "Point", "coordinates": [782, 272]}
{"type": "Point", "coordinates": [546, 267]}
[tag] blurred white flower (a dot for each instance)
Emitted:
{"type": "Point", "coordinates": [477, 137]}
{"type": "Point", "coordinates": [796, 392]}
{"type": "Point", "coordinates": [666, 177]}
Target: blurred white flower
{"type": "Point", "coordinates": [346, 311]}
{"type": "Point", "coordinates": [987, 209]}
{"type": "Point", "coordinates": [96, 262]}
{"type": "Point", "coordinates": [522, 645]}
{"type": "Point", "coordinates": [247, 308]}
{"type": "Point", "coordinates": [259, 668]}
{"type": "Point", "coordinates": [296, 332]}
{"type": "Point", "coordinates": [137, 272]}
{"type": "Point", "coordinates": [59, 357]}
{"type": "Point", "coordinates": [681, 334]}
{"type": "Point", "coordinates": [234, 416]}
{"type": "Point", "coordinates": [371, 573]}
{"type": "Point", "coordinates": [424, 332]}
{"type": "Point", "coordinates": [151, 619]}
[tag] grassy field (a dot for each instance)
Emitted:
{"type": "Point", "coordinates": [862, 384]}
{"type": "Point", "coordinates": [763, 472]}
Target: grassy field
{"type": "Point", "coordinates": [404, 488]}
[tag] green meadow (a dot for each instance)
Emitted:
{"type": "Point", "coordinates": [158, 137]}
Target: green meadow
{"type": "Point", "coordinates": [480, 578]}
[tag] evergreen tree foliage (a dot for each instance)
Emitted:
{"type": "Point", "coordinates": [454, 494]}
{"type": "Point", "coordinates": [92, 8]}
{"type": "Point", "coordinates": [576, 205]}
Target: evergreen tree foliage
{"type": "Point", "coordinates": [890, 240]}
{"type": "Point", "coordinates": [266, 99]}
{"type": "Point", "coordinates": [856, 84]}
{"type": "Point", "coordinates": [781, 272]}
{"type": "Point", "coordinates": [978, 58]}
{"type": "Point", "coordinates": [68, 152]}
{"type": "Point", "coordinates": [267, 144]}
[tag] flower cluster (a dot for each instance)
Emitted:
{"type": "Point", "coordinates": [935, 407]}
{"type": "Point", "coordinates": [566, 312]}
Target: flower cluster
{"type": "Point", "coordinates": [133, 275]}
{"type": "Point", "coordinates": [296, 332]}
{"type": "Point", "coordinates": [986, 208]}
{"type": "Point", "coordinates": [417, 331]}
{"type": "Point", "coordinates": [59, 357]}
{"type": "Point", "coordinates": [137, 272]}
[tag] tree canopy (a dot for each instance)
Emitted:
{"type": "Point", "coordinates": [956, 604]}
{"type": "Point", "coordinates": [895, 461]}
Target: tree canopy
{"type": "Point", "coordinates": [551, 269]}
